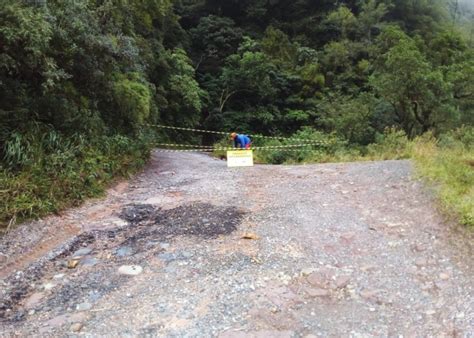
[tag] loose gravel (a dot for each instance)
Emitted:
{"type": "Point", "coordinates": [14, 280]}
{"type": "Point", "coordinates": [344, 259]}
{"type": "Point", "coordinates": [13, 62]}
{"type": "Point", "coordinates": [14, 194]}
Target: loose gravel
{"type": "Point", "coordinates": [353, 249]}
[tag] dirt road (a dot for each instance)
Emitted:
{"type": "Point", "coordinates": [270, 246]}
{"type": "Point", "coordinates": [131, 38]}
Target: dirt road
{"type": "Point", "coordinates": [351, 249]}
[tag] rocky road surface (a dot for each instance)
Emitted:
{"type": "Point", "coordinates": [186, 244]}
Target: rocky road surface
{"type": "Point", "coordinates": [190, 248]}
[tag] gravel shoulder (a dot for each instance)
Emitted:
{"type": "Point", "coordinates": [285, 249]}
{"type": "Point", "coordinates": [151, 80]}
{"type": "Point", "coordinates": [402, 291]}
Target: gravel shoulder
{"type": "Point", "coordinates": [192, 248]}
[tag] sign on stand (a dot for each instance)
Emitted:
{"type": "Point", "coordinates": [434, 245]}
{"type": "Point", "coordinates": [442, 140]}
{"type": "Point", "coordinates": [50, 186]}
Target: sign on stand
{"type": "Point", "coordinates": [240, 158]}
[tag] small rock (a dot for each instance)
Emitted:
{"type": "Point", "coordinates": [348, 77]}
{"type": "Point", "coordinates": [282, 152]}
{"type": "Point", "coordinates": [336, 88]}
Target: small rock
{"type": "Point", "coordinates": [170, 269]}
{"type": "Point", "coordinates": [167, 257]}
{"type": "Point", "coordinates": [317, 279]}
{"type": "Point", "coordinates": [31, 312]}
{"type": "Point", "coordinates": [430, 312]}
{"type": "Point", "coordinates": [366, 268]}
{"type": "Point", "coordinates": [460, 315]}
{"type": "Point", "coordinates": [78, 317]}
{"type": "Point", "coordinates": [89, 261]}
{"type": "Point", "coordinates": [83, 306]}
{"type": "Point", "coordinates": [76, 327]}
{"type": "Point", "coordinates": [308, 271]}
{"type": "Point", "coordinates": [187, 254]}
{"type": "Point", "coordinates": [441, 285]}
{"type": "Point", "coordinates": [369, 294]}
{"type": "Point", "coordinates": [130, 270]}
{"type": "Point", "coordinates": [58, 276]}
{"type": "Point", "coordinates": [57, 321]}
{"type": "Point", "coordinates": [72, 263]}
{"type": "Point", "coordinates": [48, 286]}
{"type": "Point", "coordinates": [43, 330]}
{"type": "Point", "coordinates": [342, 281]}
{"type": "Point", "coordinates": [124, 251]}
{"type": "Point", "coordinates": [82, 252]}
{"type": "Point", "coordinates": [164, 246]}
{"type": "Point", "coordinates": [34, 300]}
{"type": "Point", "coordinates": [420, 247]}
{"type": "Point", "coordinates": [443, 276]}
{"type": "Point", "coordinates": [314, 292]}
{"type": "Point", "coordinates": [348, 237]}
{"type": "Point", "coordinates": [420, 262]}
{"type": "Point", "coordinates": [120, 223]}
{"type": "Point", "coordinates": [250, 235]}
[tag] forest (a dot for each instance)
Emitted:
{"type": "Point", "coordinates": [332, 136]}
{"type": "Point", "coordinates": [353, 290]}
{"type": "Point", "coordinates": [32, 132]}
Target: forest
{"type": "Point", "coordinates": [82, 83]}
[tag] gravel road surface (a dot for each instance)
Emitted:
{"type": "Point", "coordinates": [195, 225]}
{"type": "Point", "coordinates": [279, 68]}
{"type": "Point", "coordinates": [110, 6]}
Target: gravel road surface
{"type": "Point", "coordinates": [190, 248]}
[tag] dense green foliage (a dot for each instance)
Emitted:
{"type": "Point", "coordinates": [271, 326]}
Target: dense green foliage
{"type": "Point", "coordinates": [80, 79]}
{"type": "Point", "coordinates": [350, 67]}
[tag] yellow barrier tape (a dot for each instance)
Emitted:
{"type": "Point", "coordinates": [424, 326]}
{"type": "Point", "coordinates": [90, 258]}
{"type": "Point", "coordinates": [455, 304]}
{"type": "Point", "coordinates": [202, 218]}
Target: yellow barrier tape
{"type": "Point", "coordinates": [228, 133]}
{"type": "Point", "coordinates": [211, 148]}
{"type": "Point", "coordinates": [161, 150]}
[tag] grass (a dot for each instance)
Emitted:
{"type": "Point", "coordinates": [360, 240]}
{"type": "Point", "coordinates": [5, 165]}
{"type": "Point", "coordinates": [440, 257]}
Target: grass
{"type": "Point", "coordinates": [450, 170]}
{"type": "Point", "coordinates": [52, 177]}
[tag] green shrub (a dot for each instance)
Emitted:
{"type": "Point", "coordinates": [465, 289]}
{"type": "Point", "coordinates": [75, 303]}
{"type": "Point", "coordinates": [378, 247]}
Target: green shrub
{"type": "Point", "coordinates": [392, 145]}
{"type": "Point", "coordinates": [133, 97]}
{"type": "Point", "coordinates": [325, 145]}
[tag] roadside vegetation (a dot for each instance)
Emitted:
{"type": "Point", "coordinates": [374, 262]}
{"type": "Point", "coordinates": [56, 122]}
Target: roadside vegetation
{"type": "Point", "coordinates": [53, 173]}
{"type": "Point", "coordinates": [448, 165]}
{"type": "Point", "coordinates": [81, 82]}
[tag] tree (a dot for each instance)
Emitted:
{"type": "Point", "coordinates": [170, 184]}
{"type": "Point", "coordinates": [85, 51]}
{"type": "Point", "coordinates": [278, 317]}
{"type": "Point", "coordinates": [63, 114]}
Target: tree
{"type": "Point", "coordinates": [447, 48]}
{"type": "Point", "coordinates": [214, 39]}
{"type": "Point", "coordinates": [420, 96]}
{"type": "Point", "coordinates": [249, 74]}
{"type": "Point", "coordinates": [370, 16]}
{"type": "Point", "coordinates": [343, 19]}
{"type": "Point", "coordinates": [350, 117]}
{"type": "Point", "coordinates": [461, 75]}
{"type": "Point", "coordinates": [278, 47]}
{"type": "Point", "coordinates": [27, 70]}
{"type": "Point", "coordinates": [453, 6]}
{"type": "Point", "coordinates": [182, 93]}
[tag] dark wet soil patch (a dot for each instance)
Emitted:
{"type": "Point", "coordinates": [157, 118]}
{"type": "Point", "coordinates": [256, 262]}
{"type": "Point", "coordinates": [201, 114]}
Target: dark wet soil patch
{"type": "Point", "coordinates": [203, 220]}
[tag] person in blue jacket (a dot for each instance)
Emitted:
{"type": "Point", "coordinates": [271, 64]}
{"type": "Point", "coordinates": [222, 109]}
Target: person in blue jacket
{"type": "Point", "coordinates": [241, 141]}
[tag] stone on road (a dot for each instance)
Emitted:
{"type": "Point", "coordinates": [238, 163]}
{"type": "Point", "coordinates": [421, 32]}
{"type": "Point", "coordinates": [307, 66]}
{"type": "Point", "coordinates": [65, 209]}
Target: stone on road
{"type": "Point", "coordinates": [131, 270]}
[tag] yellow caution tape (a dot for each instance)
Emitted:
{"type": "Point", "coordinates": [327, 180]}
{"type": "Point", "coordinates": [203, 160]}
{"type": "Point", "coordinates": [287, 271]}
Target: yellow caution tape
{"type": "Point", "coordinates": [212, 148]}
{"type": "Point", "coordinates": [162, 150]}
{"type": "Point", "coordinates": [228, 133]}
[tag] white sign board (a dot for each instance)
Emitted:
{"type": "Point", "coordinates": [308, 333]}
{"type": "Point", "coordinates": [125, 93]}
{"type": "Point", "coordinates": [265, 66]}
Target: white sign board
{"type": "Point", "coordinates": [240, 158]}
